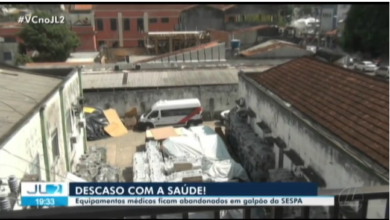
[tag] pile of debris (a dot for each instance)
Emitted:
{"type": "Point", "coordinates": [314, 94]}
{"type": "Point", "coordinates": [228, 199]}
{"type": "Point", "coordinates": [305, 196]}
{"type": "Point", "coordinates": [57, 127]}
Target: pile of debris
{"type": "Point", "coordinates": [93, 167]}
{"type": "Point", "coordinates": [199, 155]}
{"type": "Point", "coordinates": [256, 157]}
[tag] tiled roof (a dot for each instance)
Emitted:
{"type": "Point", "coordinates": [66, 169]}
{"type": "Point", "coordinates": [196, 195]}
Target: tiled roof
{"type": "Point", "coordinates": [267, 46]}
{"type": "Point", "coordinates": [197, 47]}
{"type": "Point", "coordinates": [352, 106]}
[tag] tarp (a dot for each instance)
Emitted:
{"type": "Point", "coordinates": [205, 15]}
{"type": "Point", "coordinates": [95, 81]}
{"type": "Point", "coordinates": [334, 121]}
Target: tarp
{"type": "Point", "coordinates": [206, 143]}
{"type": "Point", "coordinates": [95, 123]}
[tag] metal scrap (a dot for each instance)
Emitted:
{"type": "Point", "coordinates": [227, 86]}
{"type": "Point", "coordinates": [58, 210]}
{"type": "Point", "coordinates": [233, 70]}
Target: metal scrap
{"type": "Point", "coordinates": [93, 167]}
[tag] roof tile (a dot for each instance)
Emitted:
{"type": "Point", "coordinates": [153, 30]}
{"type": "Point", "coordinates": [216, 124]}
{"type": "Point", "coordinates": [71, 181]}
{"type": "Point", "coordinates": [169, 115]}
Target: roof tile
{"type": "Point", "coordinates": [352, 106]}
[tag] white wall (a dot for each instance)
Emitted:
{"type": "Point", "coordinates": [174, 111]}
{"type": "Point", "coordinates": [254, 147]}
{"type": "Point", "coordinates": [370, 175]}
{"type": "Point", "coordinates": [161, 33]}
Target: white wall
{"type": "Point", "coordinates": [71, 93]}
{"type": "Point", "coordinates": [338, 169]}
{"type": "Point", "coordinates": [18, 155]}
{"type": "Point", "coordinates": [53, 121]}
{"type": "Point", "coordinates": [248, 37]}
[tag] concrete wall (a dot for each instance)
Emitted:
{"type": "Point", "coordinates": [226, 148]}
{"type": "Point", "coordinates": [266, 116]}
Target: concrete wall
{"type": "Point", "coordinates": [336, 168]}
{"type": "Point", "coordinates": [71, 93]}
{"type": "Point", "coordinates": [23, 153]}
{"type": "Point", "coordinates": [283, 52]}
{"type": "Point", "coordinates": [247, 38]}
{"type": "Point", "coordinates": [201, 17]}
{"type": "Point", "coordinates": [223, 96]}
{"type": "Point", "coordinates": [53, 122]}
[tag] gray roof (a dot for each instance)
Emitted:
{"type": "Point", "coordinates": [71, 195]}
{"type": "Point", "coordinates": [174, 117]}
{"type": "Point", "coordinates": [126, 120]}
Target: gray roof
{"type": "Point", "coordinates": [144, 79]}
{"type": "Point", "coordinates": [20, 94]}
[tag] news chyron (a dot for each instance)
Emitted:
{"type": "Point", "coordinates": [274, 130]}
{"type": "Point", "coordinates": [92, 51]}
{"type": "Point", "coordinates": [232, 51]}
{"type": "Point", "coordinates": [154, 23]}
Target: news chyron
{"type": "Point", "coordinates": [44, 194]}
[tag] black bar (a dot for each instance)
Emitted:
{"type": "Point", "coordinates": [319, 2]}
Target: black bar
{"type": "Point", "coordinates": [363, 208]}
{"type": "Point", "coordinates": [387, 209]}
{"type": "Point", "coordinates": [185, 215]}
{"type": "Point", "coordinates": [305, 212]}
{"type": "Point", "coordinates": [247, 213]}
{"type": "Point", "coordinates": [217, 215]}
{"type": "Point", "coordinates": [335, 210]}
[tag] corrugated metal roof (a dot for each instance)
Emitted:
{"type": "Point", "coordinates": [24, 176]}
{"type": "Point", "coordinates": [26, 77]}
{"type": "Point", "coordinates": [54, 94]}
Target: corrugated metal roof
{"type": "Point", "coordinates": [189, 49]}
{"type": "Point", "coordinates": [20, 93]}
{"type": "Point", "coordinates": [268, 46]}
{"type": "Point", "coordinates": [142, 79]}
{"type": "Point", "coordinates": [352, 106]}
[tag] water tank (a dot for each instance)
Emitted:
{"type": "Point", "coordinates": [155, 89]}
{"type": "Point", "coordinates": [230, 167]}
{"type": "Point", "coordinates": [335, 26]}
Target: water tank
{"type": "Point", "coordinates": [235, 44]}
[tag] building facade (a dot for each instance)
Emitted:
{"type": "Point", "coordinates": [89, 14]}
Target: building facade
{"type": "Point", "coordinates": [9, 48]}
{"type": "Point", "coordinates": [328, 17]}
{"type": "Point", "coordinates": [46, 137]}
{"type": "Point", "coordinates": [314, 140]}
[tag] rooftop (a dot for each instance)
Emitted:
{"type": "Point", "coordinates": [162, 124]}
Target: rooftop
{"type": "Point", "coordinates": [352, 106]}
{"type": "Point", "coordinates": [267, 46]}
{"type": "Point", "coordinates": [189, 49]}
{"type": "Point", "coordinates": [81, 7]}
{"type": "Point", "coordinates": [20, 93]}
{"type": "Point", "coordinates": [173, 78]}
{"type": "Point", "coordinates": [329, 55]}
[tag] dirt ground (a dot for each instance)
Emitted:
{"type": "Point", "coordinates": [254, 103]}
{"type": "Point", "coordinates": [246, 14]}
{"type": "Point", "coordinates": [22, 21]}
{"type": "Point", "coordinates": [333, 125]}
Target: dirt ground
{"type": "Point", "coordinates": [120, 150]}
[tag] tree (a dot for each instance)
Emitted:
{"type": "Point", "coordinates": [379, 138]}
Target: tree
{"type": "Point", "coordinates": [367, 29]}
{"type": "Point", "coordinates": [54, 42]}
{"type": "Point", "coordinates": [22, 59]}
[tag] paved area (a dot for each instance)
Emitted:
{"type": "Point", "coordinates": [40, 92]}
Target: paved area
{"type": "Point", "coordinates": [120, 150]}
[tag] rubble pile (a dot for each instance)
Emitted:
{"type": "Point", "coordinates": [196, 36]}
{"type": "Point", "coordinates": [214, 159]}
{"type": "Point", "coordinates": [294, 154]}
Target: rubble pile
{"type": "Point", "coordinates": [93, 167]}
{"type": "Point", "coordinates": [291, 212]}
{"type": "Point", "coordinates": [255, 156]}
{"type": "Point", "coordinates": [151, 166]}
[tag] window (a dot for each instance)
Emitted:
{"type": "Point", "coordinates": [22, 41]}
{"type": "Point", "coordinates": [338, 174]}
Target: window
{"type": "Point", "coordinates": [153, 114]}
{"type": "Point", "coordinates": [7, 56]}
{"type": "Point", "coordinates": [164, 20]}
{"type": "Point", "coordinates": [55, 145]}
{"type": "Point", "coordinates": [141, 43]}
{"type": "Point", "coordinates": [9, 39]}
{"type": "Point", "coordinates": [126, 24]}
{"type": "Point", "coordinates": [140, 25]}
{"type": "Point", "coordinates": [231, 19]}
{"type": "Point", "coordinates": [99, 24]}
{"type": "Point", "coordinates": [177, 112]}
{"type": "Point", "coordinates": [113, 24]}
{"type": "Point", "coordinates": [152, 20]}
{"type": "Point", "coordinates": [101, 43]}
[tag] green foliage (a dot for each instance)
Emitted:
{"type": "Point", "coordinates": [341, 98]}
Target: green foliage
{"type": "Point", "coordinates": [22, 59]}
{"type": "Point", "coordinates": [54, 42]}
{"type": "Point", "coordinates": [367, 29]}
